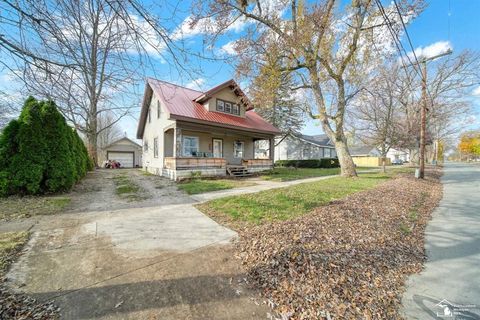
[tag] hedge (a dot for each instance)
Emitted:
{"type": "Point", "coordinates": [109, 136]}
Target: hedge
{"type": "Point", "coordinates": [40, 153]}
{"type": "Point", "coordinates": [312, 163]}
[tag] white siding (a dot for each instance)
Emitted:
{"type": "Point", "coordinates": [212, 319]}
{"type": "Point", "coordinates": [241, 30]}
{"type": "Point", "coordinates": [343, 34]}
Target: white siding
{"type": "Point", "coordinates": [155, 129]}
{"type": "Point", "coordinates": [292, 148]}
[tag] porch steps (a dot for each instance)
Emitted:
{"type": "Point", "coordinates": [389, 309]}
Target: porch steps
{"type": "Point", "coordinates": [238, 171]}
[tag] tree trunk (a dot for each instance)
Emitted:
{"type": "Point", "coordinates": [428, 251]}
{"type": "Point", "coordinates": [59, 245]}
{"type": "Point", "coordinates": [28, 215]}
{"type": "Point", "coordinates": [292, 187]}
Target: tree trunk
{"type": "Point", "coordinates": [345, 159]}
{"type": "Point", "coordinates": [92, 148]}
{"type": "Point", "coordinates": [92, 140]}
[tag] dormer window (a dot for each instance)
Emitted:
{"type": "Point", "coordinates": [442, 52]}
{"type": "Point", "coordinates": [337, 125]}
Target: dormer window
{"type": "Point", "coordinates": [228, 107]}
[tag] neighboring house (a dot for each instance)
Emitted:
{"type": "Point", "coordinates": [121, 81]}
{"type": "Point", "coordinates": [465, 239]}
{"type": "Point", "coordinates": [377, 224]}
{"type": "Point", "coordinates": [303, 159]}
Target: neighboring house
{"type": "Point", "coordinates": [364, 151]}
{"type": "Point", "coordinates": [124, 150]}
{"type": "Point", "coordinates": [303, 147]}
{"type": "Point", "coordinates": [397, 154]}
{"type": "Point", "coordinates": [186, 131]}
{"type": "Point", "coordinates": [367, 156]}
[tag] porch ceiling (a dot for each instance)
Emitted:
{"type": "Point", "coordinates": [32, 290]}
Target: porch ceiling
{"type": "Point", "coordinates": [214, 130]}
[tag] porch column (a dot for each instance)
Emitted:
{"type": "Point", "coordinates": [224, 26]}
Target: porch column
{"type": "Point", "coordinates": [272, 149]}
{"type": "Point", "coordinates": [177, 142]}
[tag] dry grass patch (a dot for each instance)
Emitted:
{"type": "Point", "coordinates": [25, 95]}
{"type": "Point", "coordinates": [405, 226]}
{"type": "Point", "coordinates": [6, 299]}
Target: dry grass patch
{"type": "Point", "coordinates": [10, 244]}
{"type": "Point", "coordinates": [127, 189]}
{"type": "Point", "coordinates": [23, 207]}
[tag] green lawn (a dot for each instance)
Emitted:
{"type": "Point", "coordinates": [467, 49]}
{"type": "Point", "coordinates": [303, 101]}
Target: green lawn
{"type": "Point", "coordinates": [10, 244]}
{"type": "Point", "coordinates": [23, 207]}
{"type": "Point", "coordinates": [287, 174]}
{"type": "Point", "coordinates": [285, 203]}
{"type": "Point", "coordinates": [196, 186]}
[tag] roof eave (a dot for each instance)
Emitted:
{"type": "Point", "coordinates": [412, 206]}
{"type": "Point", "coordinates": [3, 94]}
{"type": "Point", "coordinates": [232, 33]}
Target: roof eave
{"type": "Point", "coordinates": [222, 125]}
{"type": "Point", "coordinates": [143, 115]}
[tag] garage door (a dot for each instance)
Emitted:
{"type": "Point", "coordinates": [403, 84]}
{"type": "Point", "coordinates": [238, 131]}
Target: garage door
{"type": "Point", "coordinates": [125, 158]}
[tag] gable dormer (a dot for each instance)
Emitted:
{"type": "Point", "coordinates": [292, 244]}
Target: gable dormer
{"type": "Point", "coordinates": [226, 98]}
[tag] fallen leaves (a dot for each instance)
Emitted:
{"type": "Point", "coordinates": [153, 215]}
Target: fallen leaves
{"type": "Point", "coordinates": [20, 307]}
{"type": "Point", "coordinates": [346, 260]}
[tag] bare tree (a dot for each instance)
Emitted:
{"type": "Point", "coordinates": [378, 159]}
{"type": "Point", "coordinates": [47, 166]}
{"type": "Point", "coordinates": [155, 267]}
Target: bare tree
{"type": "Point", "coordinates": [386, 113]}
{"type": "Point", "coordinates": [375, 111]}
{"type": "Point", "coordinates": [451, 81]}
{"type": "Point", "coordinates": [109, 130]}
{"type": "Point", "coordinates": [324, 47]}
{"type": "Point", "coordinates": [88, 56]}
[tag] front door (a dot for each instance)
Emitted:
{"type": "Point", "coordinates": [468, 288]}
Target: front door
{"type": "Point", "coordinates": [217, 148]}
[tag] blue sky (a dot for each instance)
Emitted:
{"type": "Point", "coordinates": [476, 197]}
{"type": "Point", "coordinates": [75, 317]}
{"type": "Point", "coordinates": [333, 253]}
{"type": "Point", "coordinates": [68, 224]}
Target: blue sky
{"type": "Point", "coordinates": [455, 21]}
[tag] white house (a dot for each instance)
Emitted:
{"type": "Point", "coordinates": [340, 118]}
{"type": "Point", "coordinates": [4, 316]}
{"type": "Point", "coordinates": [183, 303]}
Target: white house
{"type": "Point", "coordinates": [217, 132]}
{"type": "Point", "coordinates": [297, 146]}
{"type": "Point", "coordinates": [397, 154]}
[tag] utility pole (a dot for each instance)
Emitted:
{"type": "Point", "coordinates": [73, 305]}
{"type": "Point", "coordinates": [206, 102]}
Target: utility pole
{"type": "Point", "coordinates": [423, 119]}
{"type": "Point", "coordinates": [424, 110]}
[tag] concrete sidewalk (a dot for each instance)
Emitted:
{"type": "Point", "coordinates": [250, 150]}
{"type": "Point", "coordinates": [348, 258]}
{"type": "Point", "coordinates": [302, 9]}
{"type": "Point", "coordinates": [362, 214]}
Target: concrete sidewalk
{"type": "Point", "coordinates": [449, 286]}
{"type": "Point", "coordinates": [261, 185]}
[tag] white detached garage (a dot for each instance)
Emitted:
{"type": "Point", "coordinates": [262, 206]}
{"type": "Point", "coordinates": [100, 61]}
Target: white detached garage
{"type": "Point", "coordinates": [125, 151]}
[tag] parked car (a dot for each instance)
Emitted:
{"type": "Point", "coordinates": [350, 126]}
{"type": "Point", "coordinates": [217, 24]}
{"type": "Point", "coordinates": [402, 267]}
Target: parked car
{"type": "Point", "coordinates": [397, 162]}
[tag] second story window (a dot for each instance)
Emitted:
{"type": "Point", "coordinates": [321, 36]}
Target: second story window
{"type": "Point", "coordinates": [155, 147]}
{"type": "Point", "coordinates": [228, 107]}
{"type": "Point", "coordinates": [149, 115]}
{"type": "Point", "coordinates": [159, 110]}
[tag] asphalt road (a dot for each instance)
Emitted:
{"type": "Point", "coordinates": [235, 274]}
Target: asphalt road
{"type": "Point", "coordinates": [449, 286]}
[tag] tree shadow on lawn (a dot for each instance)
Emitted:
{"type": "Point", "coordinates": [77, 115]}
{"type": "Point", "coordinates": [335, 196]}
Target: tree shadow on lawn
{"type": "Point", "coordinates": [118, 299]}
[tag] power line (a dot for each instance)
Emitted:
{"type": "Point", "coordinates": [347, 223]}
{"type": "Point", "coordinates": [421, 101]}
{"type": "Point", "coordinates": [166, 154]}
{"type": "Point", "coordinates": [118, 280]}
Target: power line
{"type": "Point", "coordinates": [406, 31]}
{"type": "Point", "coordinates": [395, 37]}
{"type": "Point", "coordinates": [399, 44]}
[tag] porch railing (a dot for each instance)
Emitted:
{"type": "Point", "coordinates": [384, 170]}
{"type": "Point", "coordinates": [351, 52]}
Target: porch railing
{"type": "Point", "coordinates": [252, 163]}
{"type": "Point", "coordinates": [194, 163]}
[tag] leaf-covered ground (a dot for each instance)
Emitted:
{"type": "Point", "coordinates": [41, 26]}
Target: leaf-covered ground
{"type": "Point", "coordinates": [14, 305]}
{"type": "Point", "coordinates": [345, 260]}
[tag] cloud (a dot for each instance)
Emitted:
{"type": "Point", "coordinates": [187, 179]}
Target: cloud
{"type": "Point", "coordinates": [196, 84]}
{"type": "Point", "coordinates": [476, 92]}
{"type": "Point", "coordinates": [229, 48]}
{"type": "Point", "coordinates": [188, 28]}
{"type": "Point", "coordinates": [432, 50]}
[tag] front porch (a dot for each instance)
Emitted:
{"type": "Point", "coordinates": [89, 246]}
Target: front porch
{"type": "Point", "coordinates": [209, 151]}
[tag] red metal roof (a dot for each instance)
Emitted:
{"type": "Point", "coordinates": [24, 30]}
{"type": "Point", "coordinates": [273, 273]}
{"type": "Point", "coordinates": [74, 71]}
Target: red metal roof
{"type": "Point", "coordinates": [179, 102]}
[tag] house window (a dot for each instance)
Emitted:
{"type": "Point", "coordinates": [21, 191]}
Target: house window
{"type": "Point", "coordinates": [305, 153]}
{"type": "Point", "coordinates": [228, 107]}
{"type": "Point", "coordinates": [145, 146]}
{"type": "Point", "coordinates": [220, 105]}
{"type": "Point", "coordinates": [327, 153]}
{"type": "Point", "coordinates": [190, 146]}
{"type": "Point", "coordinates": [159, 110]}
{"type": "Point", "coordinates": [149, 116]}
{"type": "Point", "coordinates": [238, 149]}
{"type": "Point", "coordinates": [155, 147]}
{"type": "Point", "coordinates": [235, 109]}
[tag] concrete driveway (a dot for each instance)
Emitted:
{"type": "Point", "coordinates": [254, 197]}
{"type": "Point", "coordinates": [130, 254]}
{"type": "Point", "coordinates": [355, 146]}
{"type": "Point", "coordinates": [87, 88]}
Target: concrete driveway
{"type": "Point", "coordinates": [152, 261]}
{"type": "Point", "coordinates": [449, 286]}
